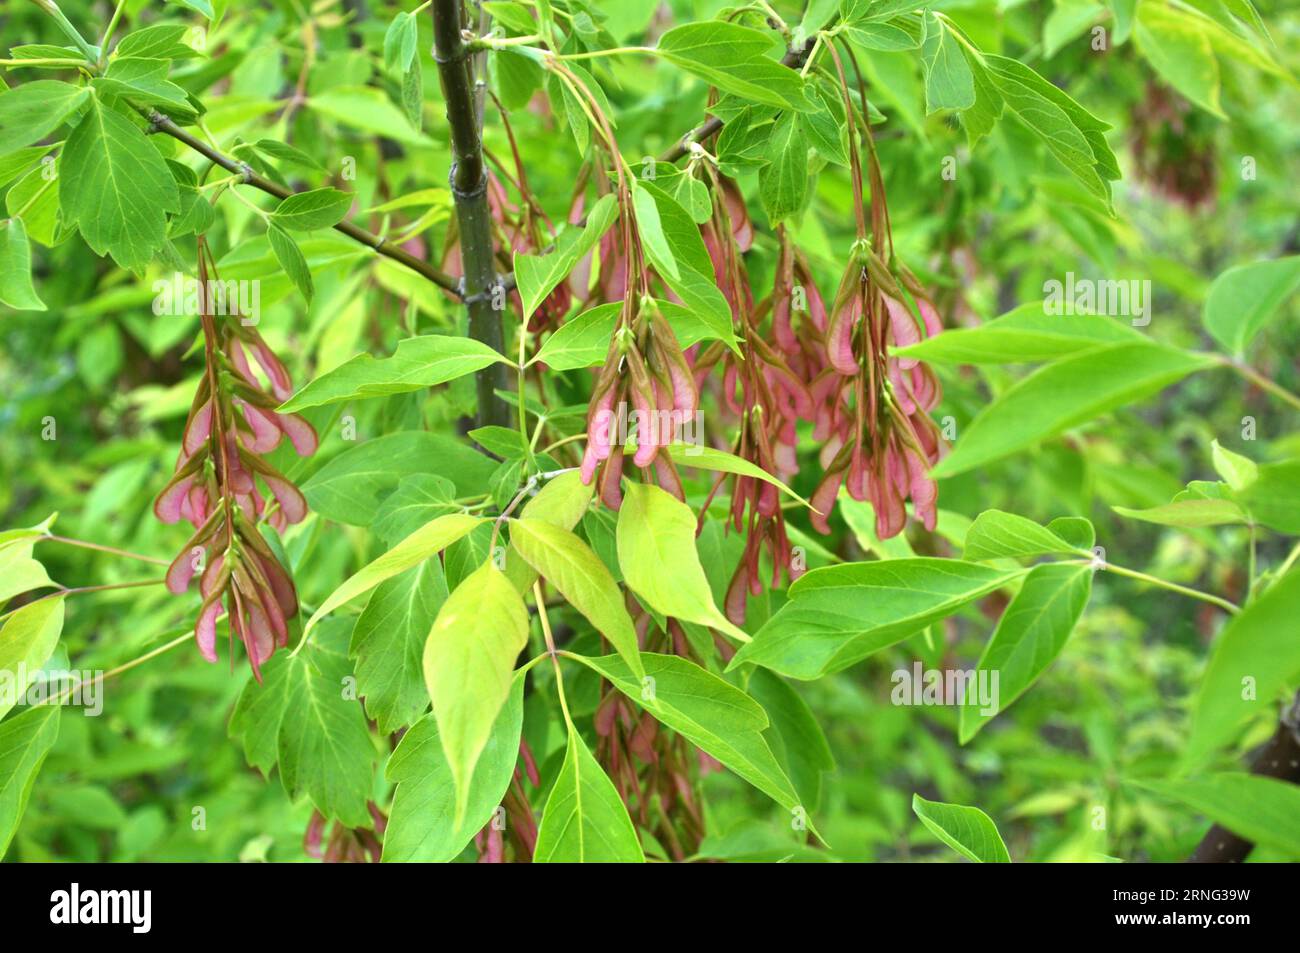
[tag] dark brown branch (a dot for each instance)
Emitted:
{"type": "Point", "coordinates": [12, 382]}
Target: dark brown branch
{"type": "Point", "coordinates": [162, 124]}
{"type": "Point", "coordinates": [1280, 759]}
{"type": "Point", "coordinates": [793, 59]}
{"type": "Point", "coordinates": [484, 296]}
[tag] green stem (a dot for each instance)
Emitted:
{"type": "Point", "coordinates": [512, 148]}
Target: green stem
{"type": "Point", "coordinates": [58, 593]}
{"type": "Point", "coordinates": [103, 549]}
{"type": "Point", "coordinates": [1223, 604]}
{"type": "Point", "coordinates": [381, 247]}
{"type": "Point", "coordinates": [1251, 567]}
{"type": "Point", "coordinates": [596, 54]}
{"type": "Point", "coordinates": [1260, 381]}
{"type": "Point", "coordinates": [72, 33]}
{"type": "Point", "coordinates": [48, 61]}
{"type": "Point", "coordinates": [125, 667]}
{"type": "Point", "coordinates": [1289, 561]}
{"type": "Point", "coordinates": [108, 33]}
{"type": "Point", "coordinates": [550, 648]}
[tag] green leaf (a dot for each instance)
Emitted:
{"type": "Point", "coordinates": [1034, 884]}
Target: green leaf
{"type": "Point", "coordinates": [318, 208]}
{"type": "Point", "coordinates": [420, 826]}
{"type": "Point", "coordinates": [417, 364]}
{"type": "Point", "coordinates": [418, 499]}
{"type": "Point", "coordinates": [1255, 658]}
{"type": "Point", "coordinates": [561, 502]}
{"type": "Point", "coordinates": [710, 458]}
{"type": "Point", "coordinates": [1027, 334]}
{"type": "Point", "coordinates": [290, 257]}
{"type": "Point", "coordinates": [824, 128]}
{"type": "Point", "coordinates": [116, 187]}
{"type": "Point", "coordinates": [429, 539]}
{"type": "Point", "coordinates": [783, 181]}
{"type": "Point", "coordinates": [694, 281]}
{"type": "Point", "coordinates": [303, 717]}
{"type": "Point", "coordinates": [1065, 394]}
{"type": "Point", "coordinates": [580, 576]}
{"type": "Point", "coordinates": [794, 735]}
{"type": "Point", "coordinates": [1237, 471]}
{"type": "Point", "coordinates": [413, 95]}
{"type": "Point", "coordinates": [25, 740]}
{"type": "Point", "coordinates": [1260, 809]}
{"type": "Point", "coordinates": [400, 41]}
{"type": "Point", "coordinates": [1244, 300]}
{"type": "Point", "coordinates": [27, 639]}
{"type": "Point", "coordinates": [651, 232]}
{"type": "Point", "coordinates": [967, 830]}
{"type": "Point", "coordinates": [1072, 134]}
{"type": "Point", "coordinates": [1189, 513]}
{"type": "Point", "coordinates": [514, 16]}
{"type": "Point", "coordinates": [838, 615]}
{"type": "Point", "coordinates": [1067, 22]}
{"type": "Point", "coordinates": [19, 572]}
{"type": "Point", "coordinates": [367, 109]}
{"type": "Point", "coordinates": [582, 341]}
{"type": "Point", "coordinates": [733, 58]}
{"type": "Point", "coordinates": [1179, 48]}
{"type": "Point", "coordinates": [16, 290]}
{"type": "Point", "coordinates": [518, 78]}
{"type": "Point", "coordinates": [33, 110]}
{"type": "Point", "coordinates": [905, 32]}
{"type": "Point", "coordinates": [504, 442]}
{"type": "Point", "coordinates": [989, 106]}
{"type": "Point", "coordinates": [468, 663]}
{"type": "Point", "coordinates": [36, 196]}
{"type": "Point", "coordinates": [17, 164]}
{"type": "Point", "coordinates": [585, 819]}
{"type": "Point", "coordinates": [536, 276]}
{"type": "Point", "coordinates": [161, 41]}
{"type": "Point", "coordinates": [948, 80]}
{"type": "Point", "coordinates": [995, 534]}
{"type": "Point", "coordinates": [350, 488]}
{"type": "Point", "coordinates": [1274, 498]}
{"type": "Point", "coordinates": [388, 644]}
{"type": "Point", "coordinates": [283, 152]}
{"type": "Point", "coordinates": [198, 6]}
{"type": "Point", "coordinates": [143, 81]}
{"type": "Point", "coordinates": [712, 714]}
{"type": "Point", "coordinates": [657, 555]}
{"type": "Point", "coordinates": [1029, 636]}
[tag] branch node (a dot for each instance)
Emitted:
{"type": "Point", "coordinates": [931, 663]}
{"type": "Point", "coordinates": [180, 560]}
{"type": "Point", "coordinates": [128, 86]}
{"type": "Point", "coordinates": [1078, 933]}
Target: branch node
{"type": "Point", "coordinates": [467, 194]}
{"type": "Point", "coordinates": [483, 295]}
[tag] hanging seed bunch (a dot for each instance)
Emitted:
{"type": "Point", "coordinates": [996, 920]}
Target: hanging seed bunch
{"type": "Point", "coordinates": [647, 371]}
{"type": "Point", "coordinates": [520, 828]}
{"type": "Point", "coordinates": [761, 388]}
{"type": "Point", "coordinates": [1174, 148]}
{"type": "Point", "coordinates": [345, 845]}
{"type": "Point", "coordinates": [880, 440]}
{"type": "Point", "coordinates": [655, 772]}
{"type": "Point", "coordinates": [646, 382]}
{"type": "Point", "coordinates": [218, 485]}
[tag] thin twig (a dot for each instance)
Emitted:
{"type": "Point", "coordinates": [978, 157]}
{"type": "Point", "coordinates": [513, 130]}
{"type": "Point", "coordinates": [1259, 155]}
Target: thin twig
{"type": "Point", "coordinates": [161, 123]}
